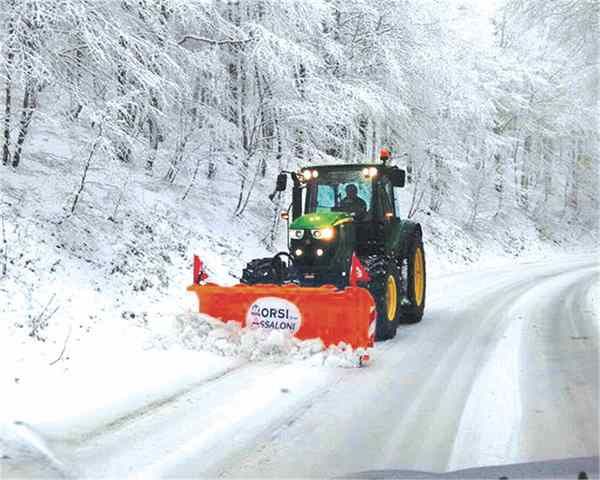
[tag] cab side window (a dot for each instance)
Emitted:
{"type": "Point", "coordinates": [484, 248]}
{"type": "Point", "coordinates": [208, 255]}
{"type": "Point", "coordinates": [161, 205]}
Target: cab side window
{"type": "Point", "coordinates": [325, 198]}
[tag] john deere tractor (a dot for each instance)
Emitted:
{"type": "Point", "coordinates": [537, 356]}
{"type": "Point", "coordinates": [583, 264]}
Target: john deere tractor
{"type": "Point", "coordinates": [344, 230]}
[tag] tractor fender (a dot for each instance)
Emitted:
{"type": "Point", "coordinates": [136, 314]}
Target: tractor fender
{"type": "Point", "coordinates": [407, 231]}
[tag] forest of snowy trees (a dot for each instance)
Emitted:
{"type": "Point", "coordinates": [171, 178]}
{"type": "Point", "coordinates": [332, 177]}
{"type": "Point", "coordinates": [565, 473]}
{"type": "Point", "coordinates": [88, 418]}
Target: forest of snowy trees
{"type": "Point", "coordinates": [181, 90]}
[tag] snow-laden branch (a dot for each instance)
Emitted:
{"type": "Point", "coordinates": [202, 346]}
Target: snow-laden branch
{"type": "Point", "coordinates": [211, 41]}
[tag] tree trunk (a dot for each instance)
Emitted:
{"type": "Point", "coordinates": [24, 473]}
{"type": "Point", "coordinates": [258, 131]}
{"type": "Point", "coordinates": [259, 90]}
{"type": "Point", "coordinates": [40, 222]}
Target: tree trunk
{"type": "Point", "coordinates": [277, 206]}
{"type": "Point", "coordinates": [515, 158]}
{"type": "Point", "coordinates": [7, 101]}
{"type": "Point", "coordinates": [374, 157]}
{"type": "Point", "coordinates": [565, 162]}
{"type": "Point", "coordinates": [245, 131]}
{"type": "Point", "coordinates": [86, 168]}
{"type": "Point", "coordinates": [77, 107]}
{"type": "Point", "coordinates": [363, 124]}
{"type": "Point", "coordinates": [573, 200]}
{"type": "Point", "coordinates": [195, 123]}
{"type": "Point", "coordinates": [177, 157]}
{"type": "Point", "coordinates": [153, 136]}
{"type": "Point", "coordinates": [28, 107]}
{"type": "Point", "coordinates": [524, 178]}
{"type": "Point", "coordinates": [254, 137]}
{"type": "Point", "coordinates": [477, 191]}
{"type": "Point", "coordinates": [409, 168]}
{"type": "Point", "coordinates": [265, 127]}
{"type": "Point", "coordinates": [499, 180]}
{"type": "Point", "coordinates": [499, 171]}
{"type": "Point", "coordinates": [548, 165]}
{"type": "Point", "coordinates": [123, 150]}
{"type": "Point", "coordinates": [7, 114]}
{"type": "Point", "coordinates": [435, 183]}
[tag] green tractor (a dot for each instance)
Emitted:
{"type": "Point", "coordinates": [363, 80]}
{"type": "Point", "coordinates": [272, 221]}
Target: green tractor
{"type": "Point", "coordinates": [343, 222]}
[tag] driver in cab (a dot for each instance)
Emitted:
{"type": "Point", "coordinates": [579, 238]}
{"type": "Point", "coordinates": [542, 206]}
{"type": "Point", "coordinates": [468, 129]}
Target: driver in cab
{"type": "Point", "coordinates": [352, 203]}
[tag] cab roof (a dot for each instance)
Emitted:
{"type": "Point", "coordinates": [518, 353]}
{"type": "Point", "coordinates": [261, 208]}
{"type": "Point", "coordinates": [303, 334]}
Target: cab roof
{"type": "Point", "coordinates": [346, 166]}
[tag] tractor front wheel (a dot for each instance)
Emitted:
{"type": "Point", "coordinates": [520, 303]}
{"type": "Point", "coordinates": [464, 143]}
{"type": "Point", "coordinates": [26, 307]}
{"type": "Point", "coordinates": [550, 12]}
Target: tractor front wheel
{"type": "Point", "coordinates": [385, 287]}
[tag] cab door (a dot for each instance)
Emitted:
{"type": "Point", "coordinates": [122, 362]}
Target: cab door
{"type": "Point", "coordinates": [388, 218]}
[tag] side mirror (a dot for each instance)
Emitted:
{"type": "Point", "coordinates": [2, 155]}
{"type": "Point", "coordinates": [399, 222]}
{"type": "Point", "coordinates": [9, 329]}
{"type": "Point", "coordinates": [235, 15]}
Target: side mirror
{"type": "Point", "coordinates": [280, 185]}
{"type": "Point", "coordinates": [397, 176]}
{"type": "Point", "coordinates": [281, 182]}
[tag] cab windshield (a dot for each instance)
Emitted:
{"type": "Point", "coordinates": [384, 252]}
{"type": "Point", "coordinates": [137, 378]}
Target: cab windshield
{"type": "Point", "coordinates": [339, 191]}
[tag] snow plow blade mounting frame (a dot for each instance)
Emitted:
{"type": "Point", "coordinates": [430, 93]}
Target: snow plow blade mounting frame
{"type": "Point", "coordinates": [326, 313]}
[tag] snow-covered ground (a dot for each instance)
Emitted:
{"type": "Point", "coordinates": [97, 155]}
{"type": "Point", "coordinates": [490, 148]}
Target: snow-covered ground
{"type": "Point", "coordinates": [463, 388]}
{"type": "Point", "coordinates": [96, 332]}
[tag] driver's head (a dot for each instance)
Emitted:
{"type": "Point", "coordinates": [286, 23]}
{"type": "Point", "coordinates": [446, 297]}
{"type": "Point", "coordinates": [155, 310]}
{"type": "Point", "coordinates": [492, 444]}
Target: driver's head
{"type": "Point", "coordinates": [351, 191]}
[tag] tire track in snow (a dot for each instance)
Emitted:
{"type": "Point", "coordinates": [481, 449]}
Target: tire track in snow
{"type": "Point", "coordinates": [491, 424]}
{"type": "Point", "coordinates": [560, 392]}
{"type": "Point", "coordinates": [152, 407]}
{"type": "Point", "coordinates": [201, 429]}
{"type": "Point", "coordinates": [428, 439]}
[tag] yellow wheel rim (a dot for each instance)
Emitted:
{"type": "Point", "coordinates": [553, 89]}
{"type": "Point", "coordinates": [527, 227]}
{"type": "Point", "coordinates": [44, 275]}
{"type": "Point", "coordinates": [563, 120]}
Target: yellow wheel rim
{"type": "Point", "coordinates": [419, 277]}
{"type": "Point", "coordinates": [391, 298]}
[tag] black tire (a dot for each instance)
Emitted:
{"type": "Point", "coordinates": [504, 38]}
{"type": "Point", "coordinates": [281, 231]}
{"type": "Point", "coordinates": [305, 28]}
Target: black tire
{"type": "Point", "coordinates": [380, 269]}
{"type": "Point", "coordinates": [254, 270]}
{"type": "Point", "coordinates": [264, 270]}
{"type": "Point", "coordinates": [413, 311]}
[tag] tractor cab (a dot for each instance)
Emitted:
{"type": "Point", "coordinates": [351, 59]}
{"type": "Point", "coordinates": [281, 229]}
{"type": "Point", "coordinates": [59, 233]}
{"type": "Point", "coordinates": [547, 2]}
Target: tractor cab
{"type": "Point", "coordinates": [338, 211]}
{"type": "Point", "coordinates": [364, 194]}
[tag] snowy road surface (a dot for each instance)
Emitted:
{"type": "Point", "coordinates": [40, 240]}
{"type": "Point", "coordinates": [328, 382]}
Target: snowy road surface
{"type": "Point", "coordinates": [502, 369]}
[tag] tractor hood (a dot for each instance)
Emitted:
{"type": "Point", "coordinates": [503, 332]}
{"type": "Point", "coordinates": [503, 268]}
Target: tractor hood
{"type": "Point", "coordinates": [320, 220]}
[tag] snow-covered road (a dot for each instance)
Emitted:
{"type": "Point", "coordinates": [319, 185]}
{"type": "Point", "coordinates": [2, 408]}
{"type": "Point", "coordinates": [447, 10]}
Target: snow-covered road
{"type": "Point", "coordinates": [503, 368]}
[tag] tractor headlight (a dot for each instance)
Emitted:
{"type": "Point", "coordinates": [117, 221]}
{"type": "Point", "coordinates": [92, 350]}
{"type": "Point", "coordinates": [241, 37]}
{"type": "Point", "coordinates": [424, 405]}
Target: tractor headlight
{"type": "Point", "coordinates": [296, 234]}
{"type": "Point", "coordinates": [309, 174]}
{"type": "Point", "coordinates": [323, 233]}
{"type": "Point", "coordinates": [370, 172]}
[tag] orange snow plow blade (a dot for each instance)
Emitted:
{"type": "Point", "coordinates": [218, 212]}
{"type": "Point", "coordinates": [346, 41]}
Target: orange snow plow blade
{"type": "Point", "coordinates": [324, 312]}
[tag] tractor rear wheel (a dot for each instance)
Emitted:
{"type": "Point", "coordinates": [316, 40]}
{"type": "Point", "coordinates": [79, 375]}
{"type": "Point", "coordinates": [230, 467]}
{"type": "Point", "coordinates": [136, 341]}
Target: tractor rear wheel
{"type": "Point", "coordinates": [384, 286]}
{"type": "Point", "coordinates": [415, 282]}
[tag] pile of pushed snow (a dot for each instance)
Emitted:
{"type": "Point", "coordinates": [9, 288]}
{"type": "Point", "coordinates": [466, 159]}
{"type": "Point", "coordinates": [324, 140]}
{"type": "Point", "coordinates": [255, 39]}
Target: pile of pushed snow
{"type": "Point", "coordinates": [198, 331]}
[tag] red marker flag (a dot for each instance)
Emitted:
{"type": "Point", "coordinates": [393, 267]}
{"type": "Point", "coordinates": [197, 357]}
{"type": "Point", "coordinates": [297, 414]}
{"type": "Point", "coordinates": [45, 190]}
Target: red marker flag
{"type": "Point", "coordinates": [199, 273]}
{"type": "Point", "coordinates": [358, 272]}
